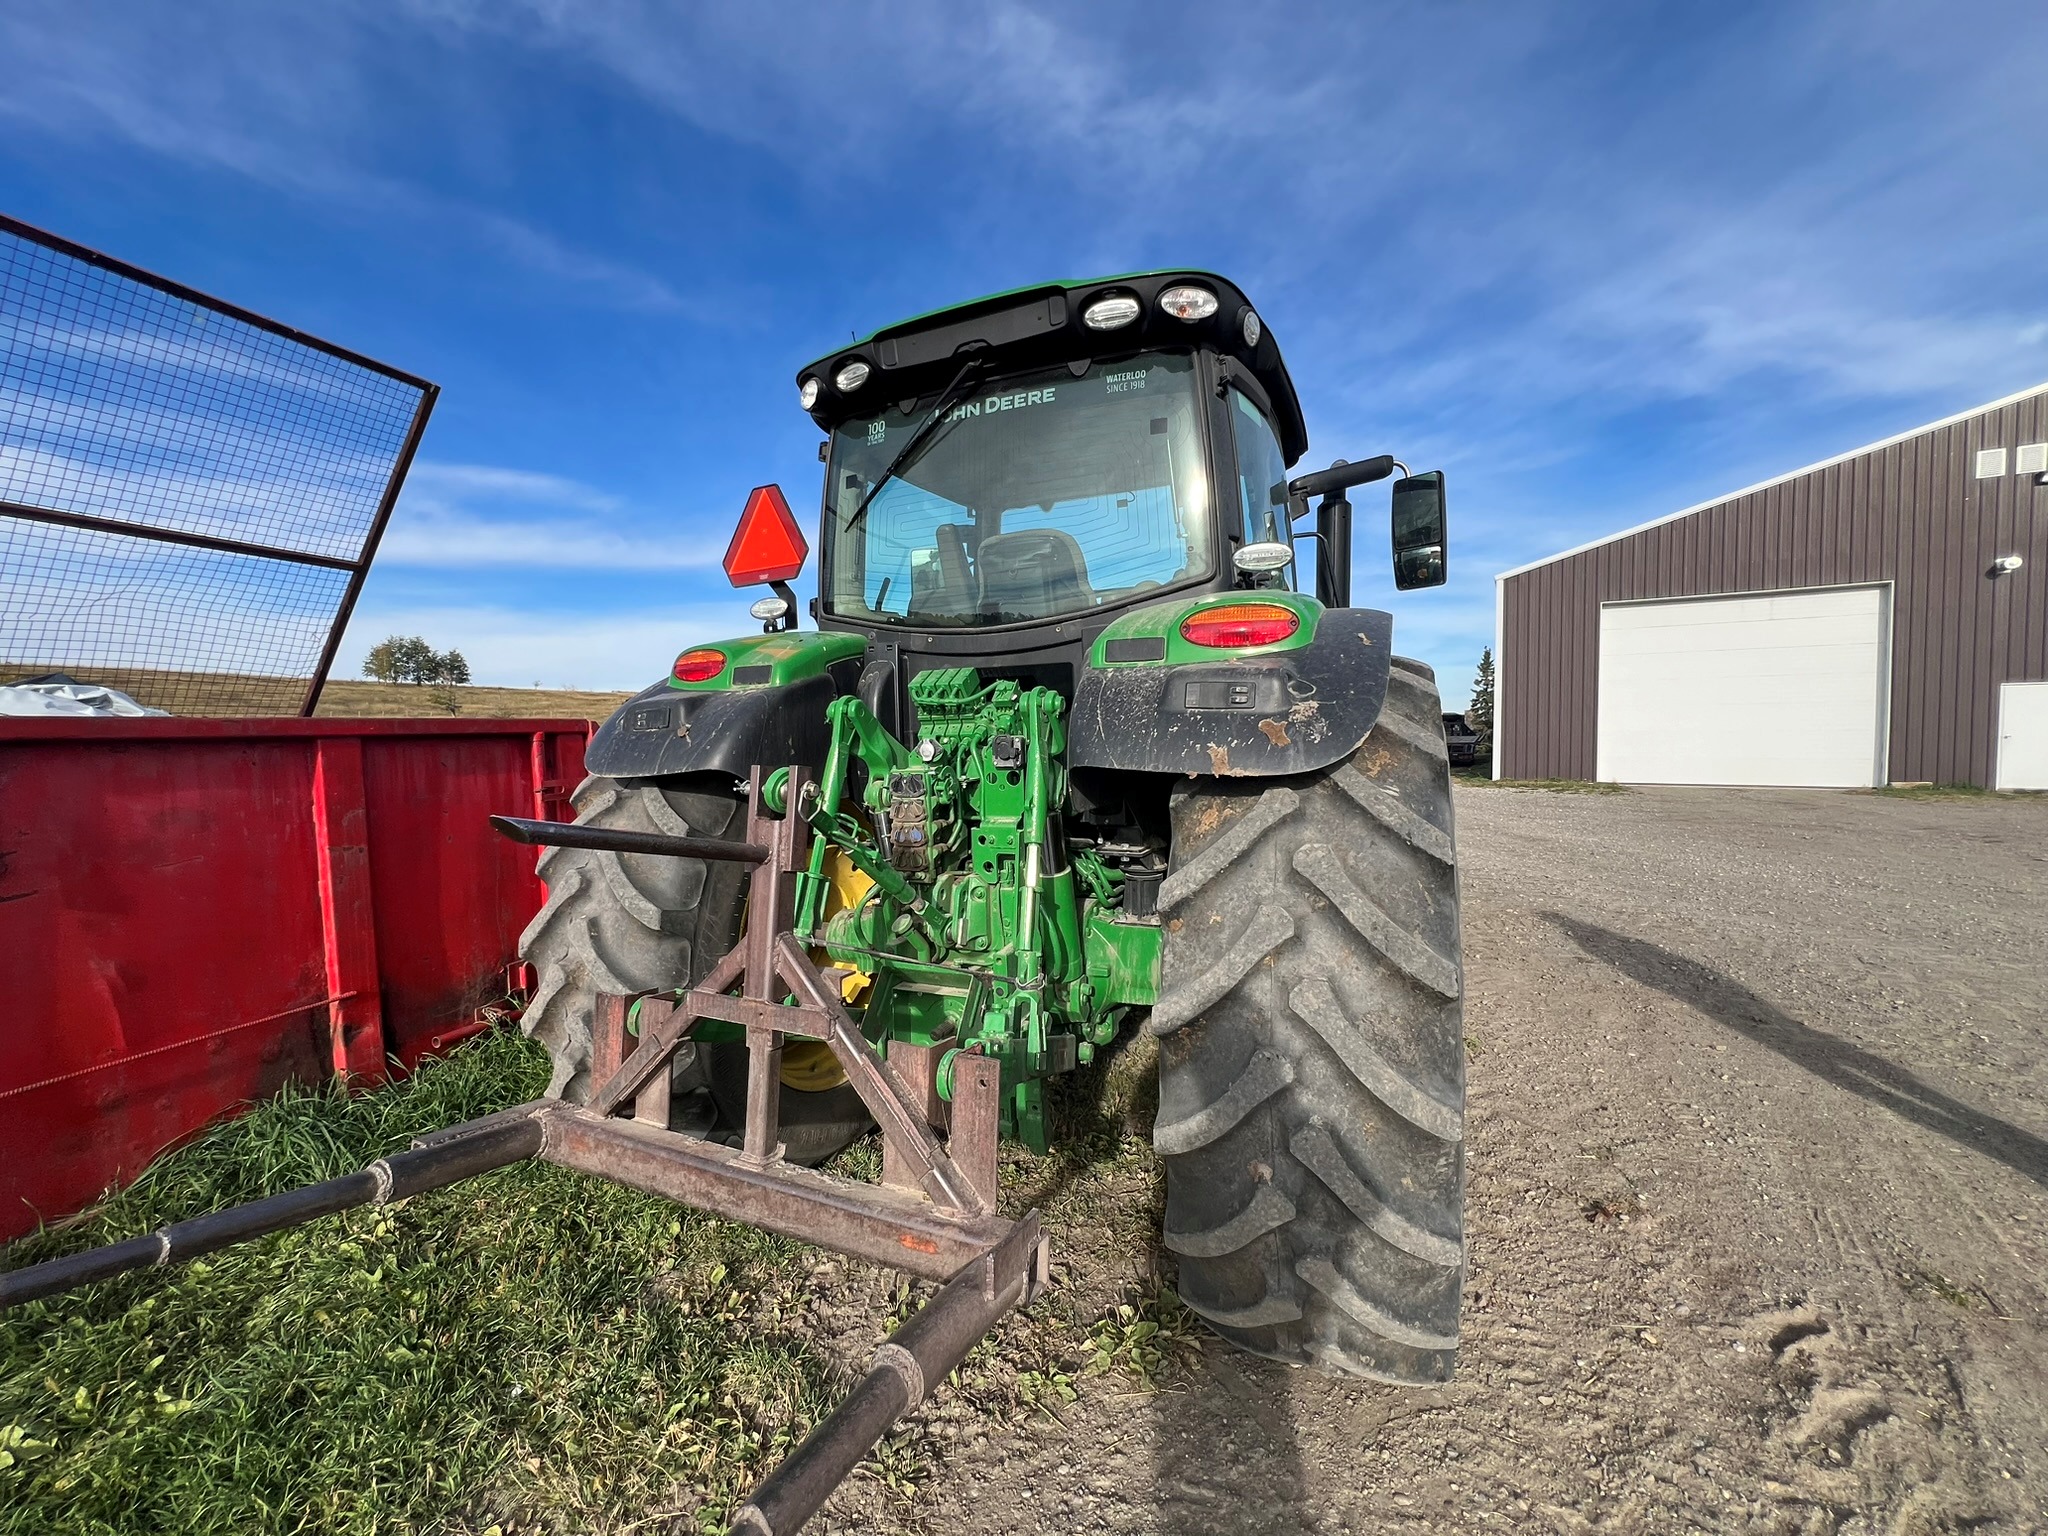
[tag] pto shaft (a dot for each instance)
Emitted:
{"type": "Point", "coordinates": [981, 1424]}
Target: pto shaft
{"type": "Point", "coordinates": [460, 1152]}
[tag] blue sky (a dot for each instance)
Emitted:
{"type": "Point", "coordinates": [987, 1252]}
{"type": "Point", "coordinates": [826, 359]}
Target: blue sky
{"type": "Point", "coordinates": [1595, 261]}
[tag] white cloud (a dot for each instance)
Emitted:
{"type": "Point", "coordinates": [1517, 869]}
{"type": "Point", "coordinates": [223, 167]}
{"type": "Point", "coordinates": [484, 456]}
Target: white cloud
{"type": "Point", "coordinates": [458, 539]}
{"type": "Point", "coordinates": [475, 516]}
{"type": "Point", "coordinates": [438, 485]}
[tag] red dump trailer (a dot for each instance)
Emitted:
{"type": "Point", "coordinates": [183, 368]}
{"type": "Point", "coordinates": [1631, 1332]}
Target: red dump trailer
{"type": "Point", "coordinates": [194, 911]}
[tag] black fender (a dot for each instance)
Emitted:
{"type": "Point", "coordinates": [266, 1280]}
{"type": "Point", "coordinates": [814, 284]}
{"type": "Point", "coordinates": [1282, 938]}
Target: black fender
{"type": "Point", "coordinates": [1287, 712]}
{"type": "Point", "coordinates": [663, 730]}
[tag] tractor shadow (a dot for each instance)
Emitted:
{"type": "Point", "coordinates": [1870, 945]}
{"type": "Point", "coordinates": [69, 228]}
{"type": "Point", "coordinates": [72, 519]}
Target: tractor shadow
{"type": "Point", "coordinates": [1833, 1060]}
{"type": "Point", "coordinates": [1211, 1445]}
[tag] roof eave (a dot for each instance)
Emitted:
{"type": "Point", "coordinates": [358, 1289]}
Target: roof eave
{"type": "Point", "coordinates": [1764, 485]}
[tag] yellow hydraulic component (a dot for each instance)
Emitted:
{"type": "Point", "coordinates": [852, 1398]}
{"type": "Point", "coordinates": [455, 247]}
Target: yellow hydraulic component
{"type": "Point", "coordinates": [809, 1065]}
{"type": "Point", "coordinates": [848, 886]}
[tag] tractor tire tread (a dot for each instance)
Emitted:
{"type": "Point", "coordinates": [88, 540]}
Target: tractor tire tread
{"type": "Point", "coordinates": [1312, 1073]}
{"type": "Point", "coordinates": [610, 925]}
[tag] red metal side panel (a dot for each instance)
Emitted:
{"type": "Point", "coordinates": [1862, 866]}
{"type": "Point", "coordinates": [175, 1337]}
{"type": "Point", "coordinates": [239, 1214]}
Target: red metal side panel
{"type": "Point", "coordinates": [451, 897]}
{"type": "Point", "coordinates": [194, 911]}
{"type": "Point", "coordinates": [348, 916]}
{"type": "Point", "coordinates": [139, 885]}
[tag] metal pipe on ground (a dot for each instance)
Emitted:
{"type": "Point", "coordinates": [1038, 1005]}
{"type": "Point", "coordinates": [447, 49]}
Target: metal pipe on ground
{"type": "Point", "coordinates": [458, 1153]}
{"type": "Point", "coordinates": [562, 834]}
{"type": "Point", "coordinates": [916, 1358]}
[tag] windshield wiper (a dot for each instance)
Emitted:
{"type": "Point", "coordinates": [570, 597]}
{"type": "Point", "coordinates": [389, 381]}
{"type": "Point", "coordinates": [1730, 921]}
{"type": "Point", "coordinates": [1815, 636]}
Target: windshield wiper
{"type": "Point", "coordinates": [915, 441]}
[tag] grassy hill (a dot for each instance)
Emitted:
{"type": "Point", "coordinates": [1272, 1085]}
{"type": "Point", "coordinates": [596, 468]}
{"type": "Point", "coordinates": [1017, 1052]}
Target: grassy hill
{"type": "Point", "coordinates": [366, 698]}
{"type": "Point", "coordinates": [229, 694]}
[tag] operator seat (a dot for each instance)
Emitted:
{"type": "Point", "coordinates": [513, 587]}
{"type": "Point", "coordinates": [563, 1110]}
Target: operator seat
{"type": "Point", "coordinates": [942, 586]}
{"type": "Point", "coordinates": [1034, 573]}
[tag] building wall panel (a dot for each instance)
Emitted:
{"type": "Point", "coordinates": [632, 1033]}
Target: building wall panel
{"type": "Point", "coordinates": [1910, 512]}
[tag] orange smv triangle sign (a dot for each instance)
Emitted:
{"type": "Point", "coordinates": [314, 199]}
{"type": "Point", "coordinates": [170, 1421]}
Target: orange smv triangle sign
{"type": "Point", "coordinates": [767, 545]}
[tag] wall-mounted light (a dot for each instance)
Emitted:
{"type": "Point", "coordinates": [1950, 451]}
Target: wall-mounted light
{"type": "Point", "coordinates": [2004, 565]}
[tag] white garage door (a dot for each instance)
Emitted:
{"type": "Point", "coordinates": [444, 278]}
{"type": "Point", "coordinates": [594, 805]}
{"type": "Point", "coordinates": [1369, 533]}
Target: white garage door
{"type": "Point", "coordinates": [1784, 688]}
{"type": "Point", "coordinates": [2023, 736]}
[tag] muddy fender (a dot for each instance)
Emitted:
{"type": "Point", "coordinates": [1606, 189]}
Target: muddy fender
{"type": "Point", "coordinates": [1285, 713]}
{"type": "Point", "coordinates": [662, 731]}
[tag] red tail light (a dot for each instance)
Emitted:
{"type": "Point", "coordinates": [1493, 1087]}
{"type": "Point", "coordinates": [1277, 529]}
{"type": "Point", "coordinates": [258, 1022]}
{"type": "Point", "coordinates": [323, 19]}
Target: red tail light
{"type": "Point", "coordinates": [699, 666]}
{"type": "Point", "coordinates": [1239, 624]}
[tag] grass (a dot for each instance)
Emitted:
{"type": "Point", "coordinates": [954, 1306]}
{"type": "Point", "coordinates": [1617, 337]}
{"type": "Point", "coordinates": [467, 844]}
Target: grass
{"type": "Point", "coordinates": [1942, 792]}
{"type": "Point", "coordinates": [531, 1350]}
{"type": "Point", "coordinates": [1478, 778]}
{"type": "Point", "coordinates": [346, 697]}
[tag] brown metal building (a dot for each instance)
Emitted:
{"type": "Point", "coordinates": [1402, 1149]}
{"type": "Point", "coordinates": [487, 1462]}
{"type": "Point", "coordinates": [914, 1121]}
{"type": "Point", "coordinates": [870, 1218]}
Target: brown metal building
{"type": "Point", "coordinates": [1879, 616]}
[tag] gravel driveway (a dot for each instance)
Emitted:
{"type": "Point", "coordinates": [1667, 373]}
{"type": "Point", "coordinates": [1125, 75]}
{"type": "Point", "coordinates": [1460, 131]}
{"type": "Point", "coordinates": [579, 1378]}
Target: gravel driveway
{"type": "Point", "coordinates": [1758, 1206]}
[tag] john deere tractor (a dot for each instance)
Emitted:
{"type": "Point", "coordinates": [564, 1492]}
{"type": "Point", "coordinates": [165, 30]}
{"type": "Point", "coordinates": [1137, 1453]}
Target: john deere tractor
{"type": "Point", "coordinates": [1083, 755]}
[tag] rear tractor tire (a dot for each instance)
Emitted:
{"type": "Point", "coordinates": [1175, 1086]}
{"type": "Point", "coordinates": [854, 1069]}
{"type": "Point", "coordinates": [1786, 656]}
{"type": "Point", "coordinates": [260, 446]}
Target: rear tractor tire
{"type": "Point", "coordinates": [1311, 1076]}
{"type": "Point", "coordinates": [629, 922]}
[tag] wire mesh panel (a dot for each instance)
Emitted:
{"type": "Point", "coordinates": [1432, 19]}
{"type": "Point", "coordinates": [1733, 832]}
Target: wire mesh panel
{"type": "Point", "coordinates": [190, 494]}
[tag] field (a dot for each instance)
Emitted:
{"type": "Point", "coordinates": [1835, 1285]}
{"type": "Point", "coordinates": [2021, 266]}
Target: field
{"type": "Point", "coordinates": [1758, 1219]}
{"type": "Point", "coordinates": [350, 698]}
{"type": "Point", "coordinates": [230, 694]}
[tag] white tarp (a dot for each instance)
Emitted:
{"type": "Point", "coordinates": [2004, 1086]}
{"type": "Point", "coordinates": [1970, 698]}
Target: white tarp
{"type": "Point", "coordinates": [69, 698]}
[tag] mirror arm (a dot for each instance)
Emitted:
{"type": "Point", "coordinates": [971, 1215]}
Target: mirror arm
{"type": "Point", "coordinates": [1323, 565]}
{"type": "Point", "coordinates": [1340, 477]}
{"type": "Point", "coordinates": [1333, 536]}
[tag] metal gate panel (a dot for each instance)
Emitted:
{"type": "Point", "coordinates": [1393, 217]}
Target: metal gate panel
{"type": "Point", "coordinates": [190, 493]}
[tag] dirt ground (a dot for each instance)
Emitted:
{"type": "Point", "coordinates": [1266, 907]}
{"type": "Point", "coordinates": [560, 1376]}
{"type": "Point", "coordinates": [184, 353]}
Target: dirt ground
{"type": "Point", "coordinates": [1758, 1210]}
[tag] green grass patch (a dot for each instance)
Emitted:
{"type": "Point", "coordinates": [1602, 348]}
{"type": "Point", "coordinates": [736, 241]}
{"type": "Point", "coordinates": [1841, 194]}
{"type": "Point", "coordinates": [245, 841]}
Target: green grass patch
{"type": "Point", "coordinates": [1942, 792]}
{"type": "Point", "coordinates": [532, 1347]}
{"type": "Point", "coordinates": [1479, 780]}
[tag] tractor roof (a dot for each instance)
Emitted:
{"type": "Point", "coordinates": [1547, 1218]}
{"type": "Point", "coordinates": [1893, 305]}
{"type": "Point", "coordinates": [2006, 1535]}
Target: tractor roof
{"type": "Point", "coordinates": [1039, 327]}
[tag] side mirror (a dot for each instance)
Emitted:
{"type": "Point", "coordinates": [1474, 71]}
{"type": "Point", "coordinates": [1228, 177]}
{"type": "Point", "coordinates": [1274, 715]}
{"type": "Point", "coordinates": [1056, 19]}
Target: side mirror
{"type": "Point", "coordinates": [1419, 531]}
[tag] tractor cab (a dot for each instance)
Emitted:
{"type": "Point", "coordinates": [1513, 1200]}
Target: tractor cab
{"type": "Point", "coordinates": [1005, 479]}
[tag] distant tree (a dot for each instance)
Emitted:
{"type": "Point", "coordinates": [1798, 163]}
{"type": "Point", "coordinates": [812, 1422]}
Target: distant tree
{"type": "Point", "coordinates": [382, 662]}
{"type": "Point", "coordinates": [1479, 713]}
{"type": "Point", "coordinates": [409, 659]}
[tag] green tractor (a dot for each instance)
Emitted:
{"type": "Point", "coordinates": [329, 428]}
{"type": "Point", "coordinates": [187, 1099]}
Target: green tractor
{"type": "Point", "coordinates": [1080, 759]}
